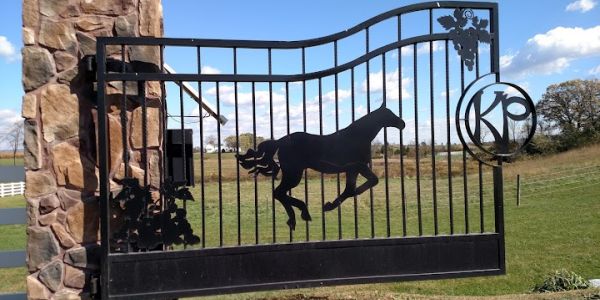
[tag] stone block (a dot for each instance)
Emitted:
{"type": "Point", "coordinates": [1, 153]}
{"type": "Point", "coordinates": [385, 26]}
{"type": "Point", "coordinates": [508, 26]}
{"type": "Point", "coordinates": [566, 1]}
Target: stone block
{"type": "Point", "coordinates": [73, 168]}
{"type": "Point", "coordinates": [31, 13]}
{"type": "Point", "coordinates": [126, 25]}
{"type": "Point", "coordinates": [48, 204]}
{"type": "Point", "coordinates": [153, 126]}
{"type": "Point", "coordinates": [29, 108]}
{"type": "Point", "coordinates": [60, 113]}
{"type": "Point", "coordinates": [51, 275]}
{"type": "Point", "coordinates": [74, 277]}
{"type": "Point", "coordinates": [38, 67]}
{"type": "Point", "coordinates": [94, 23]}
{"type": "Point", "coordinates": [39, 183]}
{"type": "Point", "coordinates": [48, 219]}
{"type": "Point", "coordinates": [64, 238]}
{"type": "Point", "coordinates": [87, 257]}
{"type": "Point", "coordinates": [35, 289]}
{"type": "Point", "coordinates": [151, 22]}
{"type": "Point", "coordinates": [64, 60]}
{"type": "Point", "coordinates": [58, 35]}
{"type": "Point", "coordinates": [42, 247]}
{"type": "Point", "coordinates": [83, 221]}
{"type": "Point", "coordinates": [32, 154]}
{"type": "Point", "coordinates": [28, 36]}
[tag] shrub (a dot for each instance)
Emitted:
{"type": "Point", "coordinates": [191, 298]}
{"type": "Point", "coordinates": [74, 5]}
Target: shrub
{"type": "Point", "coordinates": [561, 280]}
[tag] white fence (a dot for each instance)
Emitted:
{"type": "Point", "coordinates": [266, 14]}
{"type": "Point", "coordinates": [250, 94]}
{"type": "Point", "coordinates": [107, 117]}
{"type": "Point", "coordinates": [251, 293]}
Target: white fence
{"type": "Point", "coordinates": [12, 188]}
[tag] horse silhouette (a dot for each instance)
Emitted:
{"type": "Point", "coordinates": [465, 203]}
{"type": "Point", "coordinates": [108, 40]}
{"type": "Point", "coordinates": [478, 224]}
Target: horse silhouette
{"type": "Point", "coordinates": [345, 151]}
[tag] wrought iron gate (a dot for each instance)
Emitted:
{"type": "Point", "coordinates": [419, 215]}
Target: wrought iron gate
{"type": "Point", "coordinates": [432, 201]}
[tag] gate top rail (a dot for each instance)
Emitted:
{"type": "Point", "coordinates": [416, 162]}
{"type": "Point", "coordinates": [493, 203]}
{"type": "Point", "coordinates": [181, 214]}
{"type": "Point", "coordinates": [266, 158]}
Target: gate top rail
{"type": "Point", "coordinates": [258, 44]}
{"type": "Point", "coordinates": [298, 45]}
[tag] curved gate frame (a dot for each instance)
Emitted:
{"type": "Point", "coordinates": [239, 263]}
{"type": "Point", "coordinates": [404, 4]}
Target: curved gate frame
{"type": "Point", "coordinates": [305, 264]}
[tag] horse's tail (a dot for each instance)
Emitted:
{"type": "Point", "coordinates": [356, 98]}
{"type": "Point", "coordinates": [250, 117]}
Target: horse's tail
{"type": "Point", "coordinates": [261, 161]}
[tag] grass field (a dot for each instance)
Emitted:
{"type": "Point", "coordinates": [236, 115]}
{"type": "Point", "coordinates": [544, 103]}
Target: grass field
{"type": "Point", "coordinates": [555, 227]}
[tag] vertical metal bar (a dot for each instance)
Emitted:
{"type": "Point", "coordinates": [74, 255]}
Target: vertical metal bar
{"type": "Point", "coordinates": [142, 93]}
{"type": "Point", "coordinates": [353, 117]}
{"type": "Point", "coordinates": [518, 189]}
{"type": "Point", "coordinates": [324, 233]}
{"type": "Point", "coordinates": [368, 111]}
{"type": "Point", "coordinates": [385, 151]}
{"type": "Point", "coordinates": [431, 96]}
{"type": "Point", "coordinates": [287, 117]}
{"type": "Point", "coordinates": [495, 31]}
{"type": "Point", "coordinates": [103, 172]}
{"type": "Point", "coordinates": [480, 164]}
{"type": "Point", "coordinates": [337, 127]}
{"type": "Point", "coordinates": [255, 177]}
{"type": "Point", "coordinates": [499, 212]}
{"type": "Point", "coordinates": [201, 129]}
{"type": "Point", "coordinates": [182, 123]}
{"type": "Point", "coordinates": [272, 138]}
{"type": "Point", "coordinates": [237, 150]}
{"type": "Point", "coordinates": [448, 143]}
{"type": "Point", "coordinates": [481, 215]}
{"type": "Point", "coordinates": [304, 127]}
{"type": "Point", "coordinates": [402, 184]}
{"type": "Point", "coordinates": [164, 119]}
{"type": "Point", "coordinates": [464, 156]}
{"type": "Point", "coordinates": [219, 166]}
{"type": "Point", "coordinates": [418, 168]}
{"type": "Point", "coordinates": [124, 126]}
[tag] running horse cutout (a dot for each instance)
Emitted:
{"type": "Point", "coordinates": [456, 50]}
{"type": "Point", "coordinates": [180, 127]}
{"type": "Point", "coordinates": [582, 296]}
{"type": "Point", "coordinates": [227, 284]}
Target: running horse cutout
{"type": "Point", "coordinates": [345, 151]}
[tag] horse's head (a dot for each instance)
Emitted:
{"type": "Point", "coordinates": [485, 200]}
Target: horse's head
{"type": "Point", "coordinates": [388, 118]}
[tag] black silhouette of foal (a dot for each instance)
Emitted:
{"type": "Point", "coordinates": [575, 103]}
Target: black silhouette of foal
{"type": "Point", "coordinates": [347, 150]}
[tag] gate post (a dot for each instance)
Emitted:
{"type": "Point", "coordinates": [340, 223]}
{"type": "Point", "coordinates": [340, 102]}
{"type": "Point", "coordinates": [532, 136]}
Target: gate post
{"type": "Point", "coordinates": [60, 125]}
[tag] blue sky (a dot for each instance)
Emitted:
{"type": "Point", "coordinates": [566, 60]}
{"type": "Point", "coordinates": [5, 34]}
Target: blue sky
{"type": "Point", "coordinates": [541, 42]}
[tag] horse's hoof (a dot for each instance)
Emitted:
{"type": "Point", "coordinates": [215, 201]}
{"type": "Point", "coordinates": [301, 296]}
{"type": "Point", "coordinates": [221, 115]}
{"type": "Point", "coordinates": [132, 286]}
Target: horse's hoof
{"type": "Point", "coordinates": [292, 224]}
{"type": "Point", "coordinates": [329, 206]}
{"type": "Point", "coordinates": [306, 216]}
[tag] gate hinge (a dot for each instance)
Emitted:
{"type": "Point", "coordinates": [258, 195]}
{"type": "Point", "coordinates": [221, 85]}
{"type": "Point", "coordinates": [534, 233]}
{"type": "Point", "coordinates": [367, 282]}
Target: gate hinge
{"type": "Point", "coordinates": [95, 287]}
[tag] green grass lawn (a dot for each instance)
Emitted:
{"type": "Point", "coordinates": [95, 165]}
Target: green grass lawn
{"type": "Point", "coordinates": [9, 161]}
{"type": "Point", "coordinates": [555, 227]}
{"type": "Point", "coordinates": [13, 237]}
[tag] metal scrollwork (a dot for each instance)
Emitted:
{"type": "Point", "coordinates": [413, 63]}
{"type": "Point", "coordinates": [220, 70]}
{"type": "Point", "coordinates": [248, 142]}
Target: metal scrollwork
{"type": "Point", "coordinates": [466, 40]}
{"type": "Point", "coordinates": [147, 226]}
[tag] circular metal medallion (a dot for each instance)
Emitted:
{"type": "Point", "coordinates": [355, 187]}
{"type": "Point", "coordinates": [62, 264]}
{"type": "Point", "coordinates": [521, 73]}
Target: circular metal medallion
{"type": "Point", "coordinates": [498, 120]}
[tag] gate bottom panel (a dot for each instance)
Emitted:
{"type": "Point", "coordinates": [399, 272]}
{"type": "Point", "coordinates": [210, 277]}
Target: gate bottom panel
{"type": "Point", "coordinates": [262, 267]}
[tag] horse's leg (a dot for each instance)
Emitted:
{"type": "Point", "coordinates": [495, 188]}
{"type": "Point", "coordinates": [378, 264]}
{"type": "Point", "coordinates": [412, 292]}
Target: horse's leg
{"type": "Point", "coordinates": [372, 179]}
{"type": "Point", "coordinates": [348, 191]}
{"type": "Point", "coordinates": [297, 202]}
{"type": "Point", "coordinates": [289, 180]}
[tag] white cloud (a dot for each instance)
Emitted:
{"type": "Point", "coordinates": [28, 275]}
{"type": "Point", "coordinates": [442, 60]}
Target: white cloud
{"type": "Point", "coordinates": [595, 71]}
{"type": "Point", "coordinates": [581, 5]}
{"type": "Point", "coordinates": [7, 50]}
{"type": "Point", "coordinates": [552, 52]}
{"type": "Point", "coordinates": [424, 48]}
{"type": "Point", "coordinates": [391, 84]}
{"type": "Point", "coordinates": [342, 94]}
{"type": "Point", "coordinates": [209, 70]}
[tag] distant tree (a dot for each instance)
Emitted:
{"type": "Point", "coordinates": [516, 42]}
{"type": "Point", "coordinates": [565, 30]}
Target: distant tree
{"type": "Point", "coordinates": [572, 105]}
{"type": "Point", "coordinates": [211, 140]}
{"type": "Point", "coordinates": [572, 109]}
{"type": "Point", "coordinates": [230, 142]}
{"type": "Point", "coordinates": [246, 141]}
{"type": "Point", "coordinates": [376, 149]}
{"type": "Point", "coordinates": [14, 137]}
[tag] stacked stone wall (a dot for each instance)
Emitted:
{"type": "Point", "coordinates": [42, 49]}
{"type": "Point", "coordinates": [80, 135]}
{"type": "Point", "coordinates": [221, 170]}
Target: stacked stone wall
{"type": "Point", "coordinates": [61, 133]}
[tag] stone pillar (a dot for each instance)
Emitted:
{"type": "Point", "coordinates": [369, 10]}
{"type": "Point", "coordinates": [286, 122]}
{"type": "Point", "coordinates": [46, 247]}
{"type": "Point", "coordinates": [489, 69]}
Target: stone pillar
{"type": "Point", "coordinates": [60, 134]}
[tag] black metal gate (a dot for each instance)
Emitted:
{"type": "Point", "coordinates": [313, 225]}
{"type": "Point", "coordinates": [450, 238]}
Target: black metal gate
{"type": "Point", "coordinates": [430, 202]}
